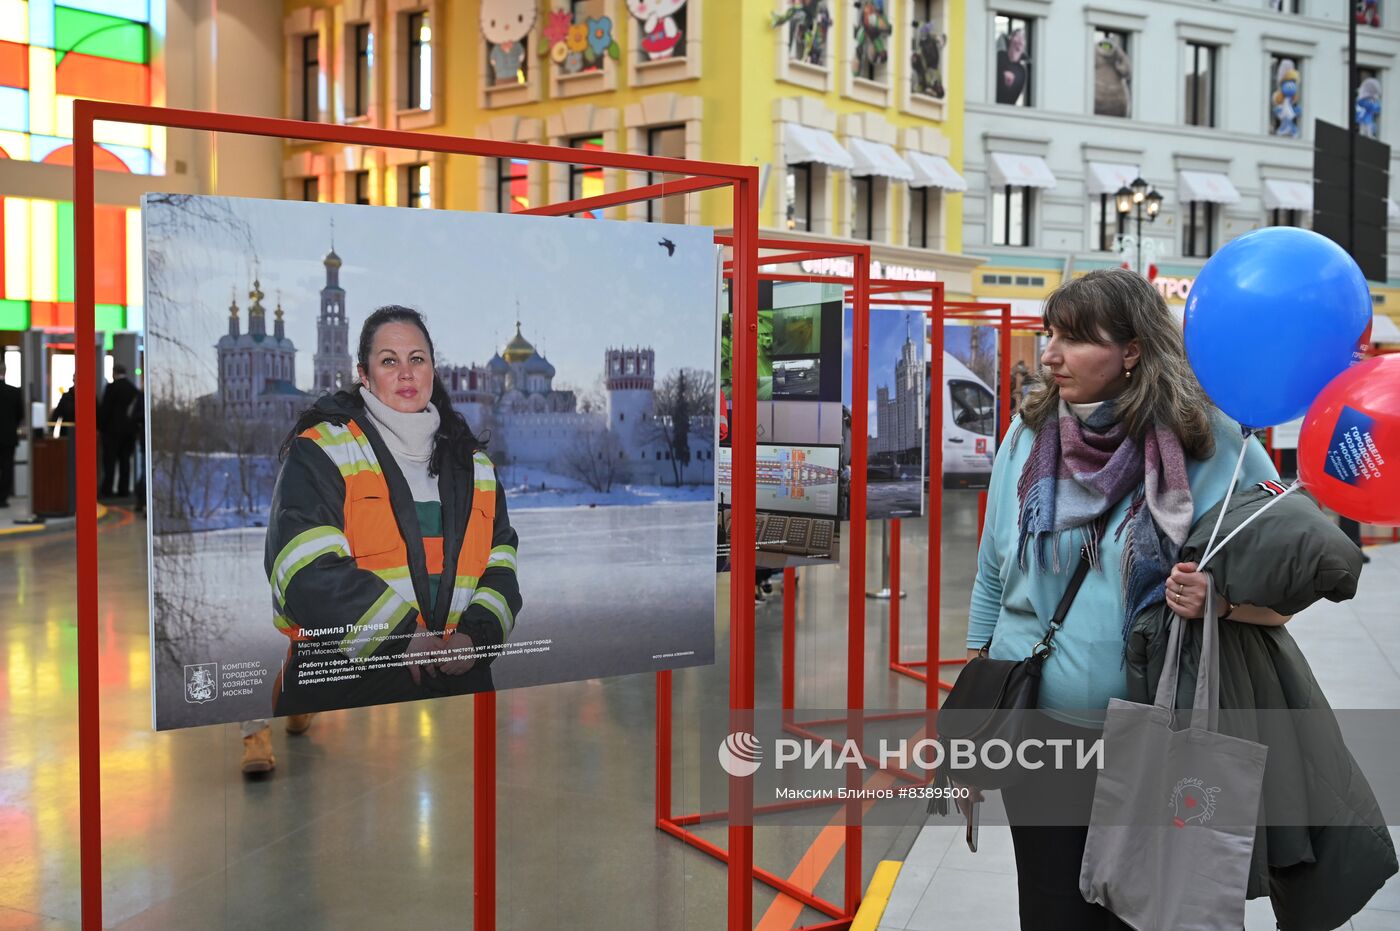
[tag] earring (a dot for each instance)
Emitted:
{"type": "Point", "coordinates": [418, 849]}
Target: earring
{"type": "Point", "coordinates": [1128, 373]}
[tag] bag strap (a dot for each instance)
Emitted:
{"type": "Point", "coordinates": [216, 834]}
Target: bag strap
{"type": "Point", "coordinates": [1046, 644]}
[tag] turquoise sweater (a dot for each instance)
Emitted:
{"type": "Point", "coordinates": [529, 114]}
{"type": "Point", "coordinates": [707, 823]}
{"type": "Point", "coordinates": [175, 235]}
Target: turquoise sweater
{"type": "Point", "coordinates": [1012, 607]}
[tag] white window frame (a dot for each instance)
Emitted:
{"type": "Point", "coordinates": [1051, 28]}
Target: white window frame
{"type": "Point", "coordinates": [933, 216]}
{"type": "Point", "coordinates": [295, 27]}
{"type": "Point", "coordinates": [361, 13]}
{"type": "Point", "coordinates": [401, 114]}
{"type": "Point", "coordinates": [509, 128]}
{"type": "Point", "coordinates": [589, 82]}
{"type": "Point", "coordinates": [660, 111]}
{"type": "Point", "coordinates": [922, 105]}
{"type": "Point", "coordinates": [878, 92]}
{"type": "Point", "coordinates": [642, 73]}
{"type": "Point", "coordinates": [804, 74]}
{"type": "Point", "coordinates": [573, 122]}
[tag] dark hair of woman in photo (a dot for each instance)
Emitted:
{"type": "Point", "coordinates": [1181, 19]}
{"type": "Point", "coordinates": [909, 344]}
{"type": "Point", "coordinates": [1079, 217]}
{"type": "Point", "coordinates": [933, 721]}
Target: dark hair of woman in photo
{"type": "Point", "coordinates": [1118, 451]}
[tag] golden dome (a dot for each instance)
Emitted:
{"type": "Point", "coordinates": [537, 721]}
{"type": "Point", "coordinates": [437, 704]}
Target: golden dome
{"type": "Point", "coordinates": [519, 348]}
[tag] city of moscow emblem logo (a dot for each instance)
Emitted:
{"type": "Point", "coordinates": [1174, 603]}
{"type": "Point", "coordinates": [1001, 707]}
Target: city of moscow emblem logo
{"type": "Point", "coordinates": [201, 683]}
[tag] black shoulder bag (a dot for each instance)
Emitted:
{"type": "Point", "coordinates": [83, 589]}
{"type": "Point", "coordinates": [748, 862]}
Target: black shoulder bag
{"type": "Point", "coordinates": [992, 700]}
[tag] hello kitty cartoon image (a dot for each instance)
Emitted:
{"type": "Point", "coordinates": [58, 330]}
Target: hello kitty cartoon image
{"type": "Point", "coordinates": [661, 35]}
{"type": "Point", "coordinates": [504, 25]}
{"type": "Point", "coordinates": [1192, 802]}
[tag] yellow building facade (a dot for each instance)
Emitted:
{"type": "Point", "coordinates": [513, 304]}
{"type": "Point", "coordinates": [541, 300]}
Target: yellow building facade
{"type": "Point", "coordinates": [853, 115]}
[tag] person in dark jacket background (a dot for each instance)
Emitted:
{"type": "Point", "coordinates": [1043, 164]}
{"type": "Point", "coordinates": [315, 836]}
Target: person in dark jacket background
{"type": "Point", "coordinates": [11, 419]}
{"type": "Point", "coordinates": [389, 549]}
{"type": "Point", "coordinates": [114, 422]}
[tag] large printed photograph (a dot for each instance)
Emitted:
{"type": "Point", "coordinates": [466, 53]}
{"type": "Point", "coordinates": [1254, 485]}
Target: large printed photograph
{"type": "Point", "coordinates": [897, 410]}
{"type": "Point", "coordinates": [400, 454]}
{"type": "Point", "coordinates": [803, 428]}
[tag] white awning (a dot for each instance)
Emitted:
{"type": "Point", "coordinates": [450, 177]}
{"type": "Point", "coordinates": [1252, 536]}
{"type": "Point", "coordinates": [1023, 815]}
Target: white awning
{"type": "Point", "coordinates": [1384, 330]}
{"type": "Point", "coordinates": [1211, 186]}
{"type": "Point", "coordinates": [934, 171]}
{"type": "Point", "coordinates": [1109, 177]}
{"type": "Point", "coordinates": [876, 158]}
{"type": "Point", "coordinates": [805, 144]}
{"type": "Point", "coordinates": [1020, 170]}
{"type": "Point", "coordinates": [1392, 210]}
{"type": "Point", "coordinates": [1287, 195]}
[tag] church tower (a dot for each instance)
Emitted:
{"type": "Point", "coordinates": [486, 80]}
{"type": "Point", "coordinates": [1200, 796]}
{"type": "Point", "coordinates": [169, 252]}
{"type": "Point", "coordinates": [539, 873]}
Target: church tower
{"type": "Point", "coordinates": [631, 384]}
{"type": "Point", "coordinates": [332, 364]}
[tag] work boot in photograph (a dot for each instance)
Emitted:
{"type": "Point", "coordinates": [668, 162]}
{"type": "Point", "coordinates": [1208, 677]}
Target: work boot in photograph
{"type": "Point", "coordinates": [298, 723]}
{"type": "Point", "coordinates": [257, 753]}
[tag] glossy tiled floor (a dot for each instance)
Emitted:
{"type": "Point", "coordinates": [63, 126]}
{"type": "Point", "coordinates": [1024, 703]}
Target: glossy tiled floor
{"type": "Point", "coordinates": [367, 821]}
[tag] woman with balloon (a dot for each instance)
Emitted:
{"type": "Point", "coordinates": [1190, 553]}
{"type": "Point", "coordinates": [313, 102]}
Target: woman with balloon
{"type": "Point", "coordinates": [1117, 453]}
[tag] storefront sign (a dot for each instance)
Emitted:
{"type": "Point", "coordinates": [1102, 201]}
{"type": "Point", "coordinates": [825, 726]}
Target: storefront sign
{"type": "Point", "coordinates": [1174, 288]}
{"type": "Point", "coordinates": [878, 269]}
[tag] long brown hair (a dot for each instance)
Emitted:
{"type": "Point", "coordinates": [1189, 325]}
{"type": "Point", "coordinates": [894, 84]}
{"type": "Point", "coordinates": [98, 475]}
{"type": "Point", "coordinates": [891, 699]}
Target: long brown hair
{"type": "Point", "coordinates": [1163, 388]}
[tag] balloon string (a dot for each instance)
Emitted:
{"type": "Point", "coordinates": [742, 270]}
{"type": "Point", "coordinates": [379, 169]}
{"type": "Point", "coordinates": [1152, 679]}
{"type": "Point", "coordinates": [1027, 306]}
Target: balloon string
{"type": "Point", "coordinates": [1210, 553]}
{"type": "Point", "coordinates": [1225, 505]}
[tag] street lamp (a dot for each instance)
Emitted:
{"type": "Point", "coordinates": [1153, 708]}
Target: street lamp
{"type": "Point", "coordinates": [1137, 199]}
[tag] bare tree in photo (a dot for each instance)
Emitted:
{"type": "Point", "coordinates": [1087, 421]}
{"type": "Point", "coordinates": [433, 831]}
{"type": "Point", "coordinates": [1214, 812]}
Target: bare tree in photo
{"type": "Point", "coordinates": [982, 353]}
{"type": "Point", "coordinates": [684, 396]}
{"type": "Point", "coordinates": [594, 458]}
{"type": "Point", "coordinates": [594, 400]}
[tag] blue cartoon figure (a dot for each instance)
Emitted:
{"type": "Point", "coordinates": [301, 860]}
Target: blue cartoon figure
{"type": "Point", "coordinates": [1368, 108]}
{"type": "Point", "coordinates": [505, 24]}
{"type": "Point", "coordinates": [1287, 110]}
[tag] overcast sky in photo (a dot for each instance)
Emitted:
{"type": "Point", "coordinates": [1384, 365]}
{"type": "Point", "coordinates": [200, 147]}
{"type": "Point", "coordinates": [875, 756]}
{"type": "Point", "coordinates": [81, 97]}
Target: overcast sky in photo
{"type": "Point", "coordinates": [577, 286]}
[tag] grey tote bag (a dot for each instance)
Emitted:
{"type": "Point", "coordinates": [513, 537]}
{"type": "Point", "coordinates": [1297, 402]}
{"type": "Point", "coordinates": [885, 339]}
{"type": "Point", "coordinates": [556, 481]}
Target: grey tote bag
{"type": "Point", "coordinates": [1173, 822]}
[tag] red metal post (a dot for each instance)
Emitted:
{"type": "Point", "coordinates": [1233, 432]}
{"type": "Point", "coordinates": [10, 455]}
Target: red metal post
{"type": "Point", "coordinates": [894, 590]}
{"type": "Point", "coordinates": [855, 593]}
{"type": "Point", "coordinates": [789, 639]}
{"type": "Point", "coordinates": [1004, 351]}
{"type": "Point", "coordinates": [484, 812]}
{"type": "Point", "coordinates": [935, 501]}
{"type": "Point", "coordinates": [85, 383]}
{"type": "Point", "coordinates": [663, 745]}
{"type": "Point", "coordinates": [742, 541]}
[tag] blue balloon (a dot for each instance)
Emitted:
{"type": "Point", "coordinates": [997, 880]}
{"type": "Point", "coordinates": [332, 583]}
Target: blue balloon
{"type": "Point", "coordinates": [1271, 319]}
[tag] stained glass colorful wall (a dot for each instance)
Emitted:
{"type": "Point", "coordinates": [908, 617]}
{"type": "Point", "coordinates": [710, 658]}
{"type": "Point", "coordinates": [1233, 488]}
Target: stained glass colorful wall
{"type": "Point", "coordinates": [36, 281]}
{"type": "Point", "coordinates": [53, 51]}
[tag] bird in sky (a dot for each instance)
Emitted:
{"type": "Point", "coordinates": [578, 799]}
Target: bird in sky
{"type": "Point", "coordinates": [669, 246]}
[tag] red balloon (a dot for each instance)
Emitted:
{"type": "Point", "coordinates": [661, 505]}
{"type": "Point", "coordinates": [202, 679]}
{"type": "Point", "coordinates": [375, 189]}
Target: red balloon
{"type": "Point", "coordinates": [1349, 446]}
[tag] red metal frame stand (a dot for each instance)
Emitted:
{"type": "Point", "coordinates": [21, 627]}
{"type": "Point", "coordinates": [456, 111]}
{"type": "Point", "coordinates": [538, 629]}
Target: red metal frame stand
{"type": "Point", "coordinates": [694, 176]}
{"type": "Point", "coordinates": [745, 382]}
{"type": "Point", "coordinates": [980, 312]}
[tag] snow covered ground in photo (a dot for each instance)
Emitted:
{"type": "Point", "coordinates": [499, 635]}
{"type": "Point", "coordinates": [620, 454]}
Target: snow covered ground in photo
{"type": "Point", "coordinates": [619, 589]}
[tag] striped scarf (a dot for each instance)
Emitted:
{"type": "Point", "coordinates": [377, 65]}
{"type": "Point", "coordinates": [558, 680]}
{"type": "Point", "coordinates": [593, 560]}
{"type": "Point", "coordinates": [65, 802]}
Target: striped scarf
{"type": "Point", "coordinates": [1077, 473]}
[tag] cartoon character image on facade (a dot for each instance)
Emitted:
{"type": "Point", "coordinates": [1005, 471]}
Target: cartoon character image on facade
{"type": "Point", "coordinates": [661, 33]}
{"type": "Point", "coordinates": [807, 22]}
{"type": "Point", "coordinates": [1287, 109]}
{"type": "Point", "coordinates": [579, 43]}
{"type": "Point", "coordinates": [927, 60]}
{"type": "Point", "coordinates": [1013, 71]}
{"type": "Point", "coordinates": [505, 24]}
{"type": "Point", "coordinates": [1113, 76]}
{"type": "Point", "coordinates": [872, 34]}
{"type": "Point", "coordinates": [1368, 12]}
{"type": "Point", "coordinates": [1368, 108]}
{"type": "Point", "coordinates": [1192, 802]}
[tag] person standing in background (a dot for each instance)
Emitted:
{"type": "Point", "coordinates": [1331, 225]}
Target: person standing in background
{"type": "Point", "coordinates": [118, 437]}
{"type": "Point", "coordinates": [11, 419]}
